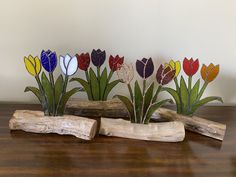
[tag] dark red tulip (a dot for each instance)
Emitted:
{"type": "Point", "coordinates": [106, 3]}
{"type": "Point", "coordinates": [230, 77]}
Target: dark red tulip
{"type": "Point", "coordinates": [190, 66]}
{"type": "Point", "coordinates": [145, 67]}
{"type": "Point", "coordinates": [165, 74]}
{"type": "Point", "coordinates": [115, 62]}
{"type": "Point", "coordinates": [83, 61]}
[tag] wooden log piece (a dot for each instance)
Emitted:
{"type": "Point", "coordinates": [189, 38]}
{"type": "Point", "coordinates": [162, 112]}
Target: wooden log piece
{"type": "Point", "coordinates": [35, 121]}
{"type": "Point", "coordinates": [164, 132]}
{"type": "Point", "coordinates": [115, 109]}
{"type": "Point", "coordinates": [196, 124]}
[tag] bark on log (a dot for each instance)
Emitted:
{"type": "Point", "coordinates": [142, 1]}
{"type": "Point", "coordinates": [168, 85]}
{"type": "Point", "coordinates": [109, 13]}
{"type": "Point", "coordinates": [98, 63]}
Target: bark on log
{"type": "Point", "coordinates": [196, 124]}
{"type": "Point", "coordinates": [164, 132]}
{"type": "Point", "coordinates": [115, 109]}
{"type": "Point", "coordinates": [35, 121]}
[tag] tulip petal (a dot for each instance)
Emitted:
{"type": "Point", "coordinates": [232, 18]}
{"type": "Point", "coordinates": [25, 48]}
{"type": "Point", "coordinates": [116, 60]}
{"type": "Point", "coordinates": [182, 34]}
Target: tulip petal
{"type": "Point", "coordinates": [204, 72]}
{"type": "Point", "coordinates": [32, 65]}
{"type": "Point", "coordinates": [213, 72]}
{"type": "Point", "coordinates": [140, 68]}
{"type": "Point", "coordinates": [63, 65]}
{"type": "Point", "coordinates": [149, 68]}
{"type": "Point", "coordinates": [68, 65]}
{"type": "Point", "coordinates": [49, 60]}
{"type": "Point", "coordinates": [159, 74]}
{"type": "Point", "coordinates": [177, 68]}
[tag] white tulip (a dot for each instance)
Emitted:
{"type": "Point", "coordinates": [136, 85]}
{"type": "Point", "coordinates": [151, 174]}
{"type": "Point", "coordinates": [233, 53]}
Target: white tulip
{"type": "Point", "coordinates": [68, 65]}
{"type": "Point", "coordinates": [125, 73]}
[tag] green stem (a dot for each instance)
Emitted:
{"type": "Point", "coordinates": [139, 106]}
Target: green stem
{"type": "Point", "coordinates": [144, 86]}
{"type": "Point", "coordinates": [98, 76]}
{"type": "Point", "coordinates": [189, 92]}
{"type": "Point", "coordinates": [130, 92]}
{"type": "Point", "coordinates": [89, 83]}
{"type": "Point", "coordinates": [87, 76]}
{"type": "Point", "coordinates": [43, 96]}
{"type": "Point", "coordinates": [202, 90]}
{"type": "Point", "coordinates": [109, 76]}
{"type": "Point", "coordinates": [53, 90]}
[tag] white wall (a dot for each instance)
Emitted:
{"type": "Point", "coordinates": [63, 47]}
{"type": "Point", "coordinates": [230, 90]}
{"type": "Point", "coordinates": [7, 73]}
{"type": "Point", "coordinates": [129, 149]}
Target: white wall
{"type": "Point", "coordinates": [160, 29]}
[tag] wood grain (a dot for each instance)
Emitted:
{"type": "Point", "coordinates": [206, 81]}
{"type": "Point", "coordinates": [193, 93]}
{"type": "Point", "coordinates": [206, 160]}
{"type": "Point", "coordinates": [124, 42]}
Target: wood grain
{"type": "Point", "coordinates": [25, 154]}
{"type": "Point", "coordinates": [163, 132]}
{"type": "Point", "coordinates": [36, 122]}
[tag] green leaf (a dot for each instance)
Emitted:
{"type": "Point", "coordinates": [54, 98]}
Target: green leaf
{"type": "Point", "coordinates": [153, 108]}
{"type": "Point", "coordinates": [103, 83]}
{"type": "Point", "coordinates": [138, 100]}
{"type": "Point", "coordinates": [94, 85]}
{"type": "Point", "coordinates": [205, 101]}
{"type": "Point", "coordinates": [109, 88]}
{"type": "Point", "coordinates": [129, 106]}
{"type": "Point", "coordinates": [48, 92]}
{"type": "Point", "coordinates": [58, 88]}
{"type": "Point", "coordinates": [194, 92]}
{"type": "Point", "coordinates": [85, 85]}
{"type": "Point", "coordinates": [184, 95]}
{"type": "Point", "coordinates": [175, 96]}
{"type": "Point", "coordinates": [65, 98]}
{"type": "Point", "coordinates": [35, 91]}
{"type": "Point", "coordinates": [148, 98]}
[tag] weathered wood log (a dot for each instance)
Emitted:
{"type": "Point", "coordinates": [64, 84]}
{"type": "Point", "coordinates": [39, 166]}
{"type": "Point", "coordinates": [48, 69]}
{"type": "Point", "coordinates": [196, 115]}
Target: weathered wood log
{"type": "Point", "coordinates": [164, 132]}
{"type": "Point", "coordinates": [196, 124]}
{"type": "Point", "coordinates": [115, 109]}
{"type": "Point", "coordinates": [111, 108]}
{"type": "Point", "coordinates": [36, 122]}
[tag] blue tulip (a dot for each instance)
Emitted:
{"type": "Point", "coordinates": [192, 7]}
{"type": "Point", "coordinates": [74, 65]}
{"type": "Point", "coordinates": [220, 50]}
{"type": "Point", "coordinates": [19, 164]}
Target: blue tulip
{"type": "Point", "coordinates": [49, 60]}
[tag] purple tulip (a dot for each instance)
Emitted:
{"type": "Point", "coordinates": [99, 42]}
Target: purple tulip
{"type": "Point", "coordinates": [49, 60]}
{"type": "Point", "coordinates": [145, 67]}
{"type": "Point", "coordinates": [165, 74]}
{"type": "Point", "coordinates": [98, 57]}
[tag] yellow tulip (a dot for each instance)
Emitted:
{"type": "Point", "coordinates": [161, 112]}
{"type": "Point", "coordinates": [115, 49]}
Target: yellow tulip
{"type": "Point", "coordinates": [176, 66]}
{"type": "Point", "coordinates": [32, 65]}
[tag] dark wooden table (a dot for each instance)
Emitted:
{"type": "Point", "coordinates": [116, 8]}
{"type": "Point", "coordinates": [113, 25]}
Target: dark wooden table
{"type": "Point", "coordinates": [32, 155]}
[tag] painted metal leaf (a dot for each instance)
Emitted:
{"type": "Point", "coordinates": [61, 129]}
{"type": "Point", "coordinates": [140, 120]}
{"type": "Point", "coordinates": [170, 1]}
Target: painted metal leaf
{"type": "Point", "coordinates": [85, 85]}
{"type": "Point", "coordinates": [103, 83]}
{"type": "Point", "coordinates": [159, 89]}
{"type": "Point", "coordinates": [109, 87]}
{"type": "Point", "coordinates": [194, 92]}
{"type": "Point", "coordinates": [49, 60]}
{"type": "Point", "coordinates": [176, 97]}
{"type": "Point", "coordinates": [205, 101]}
{"type": "Point", "coordinates": [35, 91]}
{"type": "Point", "coordinates": [58, 88]}
{"type": "Point", "coordinates": [153, 108]}
{"type": "Point", "coordinates": [138, 100]}
{"type": "Point", "coordinates": [65, 99]}
{"type": "Point", "coordinates": [94, 85]}
{"type": "Point", "coordinates": [184, 95]}
{"type": "Point", "coordinates": [129, 106]}
{"type": "Point", "coordinates": [148, 98]}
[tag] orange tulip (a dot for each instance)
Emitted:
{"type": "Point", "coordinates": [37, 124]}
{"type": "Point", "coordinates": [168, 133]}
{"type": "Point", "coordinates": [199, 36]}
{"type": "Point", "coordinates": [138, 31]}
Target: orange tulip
{"type": "Point", "coordinates": [209, 72]}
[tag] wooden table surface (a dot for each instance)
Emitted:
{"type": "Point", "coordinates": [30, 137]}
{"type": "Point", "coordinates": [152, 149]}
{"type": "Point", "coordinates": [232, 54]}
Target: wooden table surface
{"type": "Point", "coordinates": [34, 155]}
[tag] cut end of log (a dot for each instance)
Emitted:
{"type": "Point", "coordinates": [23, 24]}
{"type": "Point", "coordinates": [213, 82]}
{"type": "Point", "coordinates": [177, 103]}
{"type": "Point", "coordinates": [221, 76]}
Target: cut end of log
{"type": "Point", "coordinates": [163, 132]}
{"type": "Point", "coordinates": [36, 122]}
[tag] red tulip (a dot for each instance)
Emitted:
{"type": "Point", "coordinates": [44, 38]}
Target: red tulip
{"type": "Point", "coordinates": [190, 66]}
{"type": "Point", "coordinates": [83, 61]}
{"type": "Point", "coordinates": [115, 62]}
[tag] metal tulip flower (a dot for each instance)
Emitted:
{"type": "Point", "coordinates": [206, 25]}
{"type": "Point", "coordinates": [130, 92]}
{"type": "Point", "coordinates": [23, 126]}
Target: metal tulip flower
{"type": "Point", "coordinates": [188, 98]}
{"type": "Point", "coordinates": [98, 85]}
{"type": "Point", "coordinates": [143, 102]}
{"type": "Point", "coordinates": [52, 95]}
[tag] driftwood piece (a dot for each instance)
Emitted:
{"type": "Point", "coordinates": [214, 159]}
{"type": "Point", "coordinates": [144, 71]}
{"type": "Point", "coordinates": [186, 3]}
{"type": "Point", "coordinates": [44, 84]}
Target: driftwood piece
{"type": "Point", "coordinates": [164, 132]}
{"type": "Point", "coordinates": [196, 124]}
{"type": "Point", "coordinates": [115, 109]}
{"type": "Point", "coordinates": [35, 121]}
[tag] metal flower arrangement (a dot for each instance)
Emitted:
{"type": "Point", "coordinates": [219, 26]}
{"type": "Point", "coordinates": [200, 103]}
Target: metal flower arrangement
{"type": "Point", "coordinates": [188, 97]}
{"type": "Point", "coordinates": [143, 102]}
{"type": "Point", "coordinates": [98, 85]}
{"type": "Point", "coordinates": [52, 95]}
